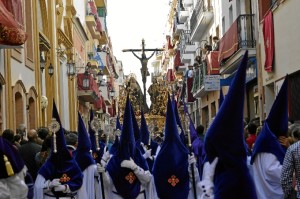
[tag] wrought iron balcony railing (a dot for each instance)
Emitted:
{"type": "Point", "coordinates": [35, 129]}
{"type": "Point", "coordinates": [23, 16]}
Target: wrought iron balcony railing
{"type": "Point", "coordinates": [199, 9]}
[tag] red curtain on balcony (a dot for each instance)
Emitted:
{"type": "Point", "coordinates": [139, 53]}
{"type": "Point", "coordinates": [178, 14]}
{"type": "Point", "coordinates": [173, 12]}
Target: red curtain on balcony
{"type": "Point", "coordinates": [93, 85]}
{"type": "Point", "coordinates": [170, 75]}
{"type": "Point", "coordinates": [177, 61]}
{"type": "Point", "coordinates": [98, 103]}
{"type": "Point", "coordinates": [11, 23]}
{"type": "Point", "coordinates": [213, 65]}
{"type": "Point", "coordinates": [190, 97]}
{"type": "Point", "coordinates": [98, 25]}
{"type": "Point", "coordinates": [93, 8]}
{"type": "Point", "coordinates": [229, 42]}
{"type": "Point", "coordinates": [169, 42]}
{"type": "Point", "coordinates": [268, 31]}
{"type": "Point", "coordinates": [111, 111]}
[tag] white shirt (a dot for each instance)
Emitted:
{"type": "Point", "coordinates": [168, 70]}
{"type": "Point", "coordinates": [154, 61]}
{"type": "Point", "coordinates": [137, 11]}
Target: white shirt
{"type": "Point", "coordinates": [266, 176]}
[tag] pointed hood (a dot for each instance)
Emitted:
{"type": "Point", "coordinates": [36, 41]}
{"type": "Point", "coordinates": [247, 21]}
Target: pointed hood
{"type": "Point", "coordinates": [97, 154]}
{"type": "Point", "coordinates": [174, 104]}
{"type": "Point", "coordinates": [119, 175]}
{"type": "Point", "coordinates": [13, 157]}
{"type": "Point", "coordinates": [171, 181]}
{"type": "Point", "coordinates": [197, 144]}
{"type": "Point", "coordinates": [181, 134]}
{"type": "Point", "coordinates": [221, 98]}
{"type": "Point", "coordinates": [62, 164]}
{"type": "Point", "coordinates": [224, 139]}
{"type": "Point", "coordinates": [82, 154]}
{"type": "Point", "coordinates": [114, 147]}
{"type": "Point", "coordinates": [275, 125]}
{"type": "Point", "coordinates": [118, 124]}
{"type": "Point", "coordinates": [144, 130]}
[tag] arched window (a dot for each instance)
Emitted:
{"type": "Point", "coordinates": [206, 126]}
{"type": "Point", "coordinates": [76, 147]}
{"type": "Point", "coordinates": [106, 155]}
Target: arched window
{"type": "Point", "coordinates": [19, 116]}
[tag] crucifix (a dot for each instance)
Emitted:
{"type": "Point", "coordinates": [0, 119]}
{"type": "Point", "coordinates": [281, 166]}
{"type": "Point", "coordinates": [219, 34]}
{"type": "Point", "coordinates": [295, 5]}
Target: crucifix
{"type": "Point", "coordinates": [144, 70]}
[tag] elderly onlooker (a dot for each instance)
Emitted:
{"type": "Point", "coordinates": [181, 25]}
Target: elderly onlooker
{"type": "Point", "coordinates": [28, 152]}
{"type": "Point", "coordinates": [17, 140]}
{"type": "Point", "coordinates": [290, 174]}
{"type": "Point", "coordinates": [42, 134]}
{"type": "Point", "coordinates": [22, 131]}
{"type": "Point", "coordinates": [8, 134]}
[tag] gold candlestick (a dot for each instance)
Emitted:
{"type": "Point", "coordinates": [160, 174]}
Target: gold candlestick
{"type": "Point", "coordinates": [96, 126]}
{"type": "Point", "coordinates": [54, 127]}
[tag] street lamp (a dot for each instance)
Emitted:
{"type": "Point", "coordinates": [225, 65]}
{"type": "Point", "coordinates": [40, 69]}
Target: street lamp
{"type": "Point", "coordinates": [50, 70]}
{"type": "Point", "coordinates": [100, 76]}
{"type": "Point", "coordinates": [71, 69]}
{"type": "Point", "coordinates": [112, 92]}
{"type": "Point", "coordinates": [42, 62]}
{"type": "Point", "coordinates": [86, 81]}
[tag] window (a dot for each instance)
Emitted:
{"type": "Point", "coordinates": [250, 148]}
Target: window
{"type": "Point", "coordinates": [217, 32]}
{"type": "Point", "coordinates": [264, 6]}
{"type": "Point", "coordinates": [238, 7]}
{"type": "Point", "coordinates": [28, 25]}
{"type": "Point", "coordinates": [230, 15]}
{"type": "Point", "coordinates": [223, 25]}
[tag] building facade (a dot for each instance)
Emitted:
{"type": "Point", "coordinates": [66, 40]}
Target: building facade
{"type": "Point", "coordinates": [66, 58]}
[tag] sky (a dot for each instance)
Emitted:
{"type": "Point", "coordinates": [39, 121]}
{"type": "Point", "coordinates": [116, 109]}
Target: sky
{"type": "Point", "coordinates": [128, 22]}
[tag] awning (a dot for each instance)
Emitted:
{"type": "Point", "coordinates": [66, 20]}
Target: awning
{"type": "Point", "coordinates": [11, 32]}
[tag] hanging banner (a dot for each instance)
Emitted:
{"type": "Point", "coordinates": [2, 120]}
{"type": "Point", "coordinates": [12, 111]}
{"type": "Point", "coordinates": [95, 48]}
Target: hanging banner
{"type": "Point", "coordinates": [268, 32]}
{"type": "Point", "coordinates": [212, 82]}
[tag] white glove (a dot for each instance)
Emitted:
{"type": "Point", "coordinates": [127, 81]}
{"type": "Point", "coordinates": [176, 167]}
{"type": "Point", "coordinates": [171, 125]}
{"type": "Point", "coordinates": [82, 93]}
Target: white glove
{"type": "Point", "coordinates": [192, 164]}
{"type": "Point", "coordinates": [63, 188]}
{"type": "Point", "coordinates": [129, 164]}
{"type": "Point", "coordinates": [191, 159]}
{"type": "Point", "coordinates": [147, 154]}
{"type": "Point", "coordinates": [53, 183]}
{"type": "Point", "coordinates": [207, 183]}
{"type": "Point", "coordinates": [105, 156]}
{"type": "Point", "coordinates": [100, 168]}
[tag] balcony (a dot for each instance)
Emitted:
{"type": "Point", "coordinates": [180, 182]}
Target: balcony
{"type": "Point", "coordinates": [234, 43]}
{"type": "Point", "coordinates": [187, 47]}
{"type": "Point", "coordinates": [101, 57]}
{"type": "Point", "coordinates": [187, 44]}
{"type": "Point", "coordinates": [183, 15]}
{"type": "Point", "coordinates": [105, 94]}
{"type": "Point", "coordinates": [186, 58]}
{"type": "Point", "coordinates": [104, 34]}
{"type": "Point", "coordinates": [210, 67]}
{"type": "Point", "coordinates": [198, 84]}
{"type": "Point", "coordinates": [187, 3]}
{"type": "Point", "coordinates": [201, 18]}
{"type": "Point", "coordinates": [91, 24]}
{"type": "Point", "coordinates": [101, 3]}
{"type": "Point", "coordinates": [177, 26]}
{"type": "Point", "coordinates": [87, 88]}
{"type": "Point", "coordinates": [92, 20]}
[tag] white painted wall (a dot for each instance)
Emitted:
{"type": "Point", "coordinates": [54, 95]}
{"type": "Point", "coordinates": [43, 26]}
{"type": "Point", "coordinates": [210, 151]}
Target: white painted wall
{"type": "Point", "coordinates": [225, 5]}
{"type": "Point", "coordinates": [21, 72]}
{"type": "Point", "coordinates": [3, 90]}
{"type": "Point", "coordinates": [80, 6]}
{"type": "Point", "coordinates": [286, 32]}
